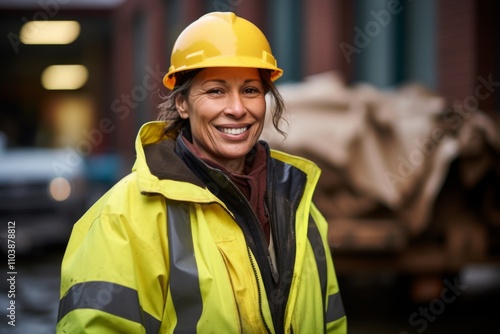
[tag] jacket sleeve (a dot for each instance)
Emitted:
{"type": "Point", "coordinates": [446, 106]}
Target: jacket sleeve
{"type": "Point", "coordinates": [113, 273]}
{"type": "Point", "coordinates": [335, 318]}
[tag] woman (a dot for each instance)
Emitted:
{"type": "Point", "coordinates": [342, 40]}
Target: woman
{"type": "Point", "coordinates": [212, 231]}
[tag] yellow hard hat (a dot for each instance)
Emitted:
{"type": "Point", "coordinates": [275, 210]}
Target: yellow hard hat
{"type": "Point", "coordinates": [220, 39]}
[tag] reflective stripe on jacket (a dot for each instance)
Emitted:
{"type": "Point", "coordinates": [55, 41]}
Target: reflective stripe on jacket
{"type": "Point", "coordinates": [162, 253]}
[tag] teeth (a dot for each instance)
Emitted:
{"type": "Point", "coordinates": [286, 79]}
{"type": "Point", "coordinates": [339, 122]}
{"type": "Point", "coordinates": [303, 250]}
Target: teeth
{"type": "Point", "coordinates": [233, 131]}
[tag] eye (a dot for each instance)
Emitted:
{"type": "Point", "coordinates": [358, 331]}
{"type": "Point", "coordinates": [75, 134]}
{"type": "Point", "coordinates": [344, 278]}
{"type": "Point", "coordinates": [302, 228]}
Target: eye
{"type": "Point", "coordinates": [215, 91]}
{"type": "Point", "coordinates": [251, 91]}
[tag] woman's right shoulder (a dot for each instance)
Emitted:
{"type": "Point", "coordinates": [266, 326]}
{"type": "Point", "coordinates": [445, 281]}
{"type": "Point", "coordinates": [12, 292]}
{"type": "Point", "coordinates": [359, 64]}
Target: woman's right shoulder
{"type": "Point", "coordinates": [122, 199]}
{"type": "Point", "coordinates": [122, 189]}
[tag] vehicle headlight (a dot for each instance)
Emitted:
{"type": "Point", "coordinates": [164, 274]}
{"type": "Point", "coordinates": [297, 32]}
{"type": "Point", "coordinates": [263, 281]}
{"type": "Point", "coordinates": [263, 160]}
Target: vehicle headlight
{"type": "Point", "coordinates": [59, 189]}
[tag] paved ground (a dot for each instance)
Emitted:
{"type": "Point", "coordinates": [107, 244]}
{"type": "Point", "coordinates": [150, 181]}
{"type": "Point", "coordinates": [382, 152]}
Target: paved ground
{"type": "Point", "coordinates": [36, 294]}
{"type": "Point", "coordinates": [381, 305]}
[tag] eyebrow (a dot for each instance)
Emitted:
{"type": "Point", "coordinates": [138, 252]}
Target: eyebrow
{"type": "Point", "coordinates": [224, 81]}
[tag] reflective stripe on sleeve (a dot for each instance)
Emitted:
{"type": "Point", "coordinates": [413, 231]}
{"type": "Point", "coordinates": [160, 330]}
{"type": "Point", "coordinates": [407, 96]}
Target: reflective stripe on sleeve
{"type": "Point", "coordinates": [335, 309]}
{"type": "Point", "coordinates": [319, 253]}
{"type": "Point", "coordinates": [184, 280]}
{"type": "Point", "coordinates": [108, 297]}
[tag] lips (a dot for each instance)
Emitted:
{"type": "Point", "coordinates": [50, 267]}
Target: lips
{"type": "Point", "coordinates": [233, 131]}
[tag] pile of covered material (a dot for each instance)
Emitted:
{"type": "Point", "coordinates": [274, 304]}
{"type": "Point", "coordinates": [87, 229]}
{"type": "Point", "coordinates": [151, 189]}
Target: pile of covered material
{"type": "Point", "coordinates": [385, 155]}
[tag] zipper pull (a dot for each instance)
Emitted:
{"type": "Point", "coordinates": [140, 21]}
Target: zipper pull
{"type": "Point", "coordinates": [271, 258]}
{"type": "Point", "coordinates": [274, 272]}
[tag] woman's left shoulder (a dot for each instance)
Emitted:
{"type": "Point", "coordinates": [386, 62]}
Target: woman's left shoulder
{"type": "Point", "coordinates": [304, 164]}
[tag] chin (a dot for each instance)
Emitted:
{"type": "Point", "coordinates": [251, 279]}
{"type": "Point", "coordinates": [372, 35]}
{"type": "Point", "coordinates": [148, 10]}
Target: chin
{"type": "Point", "coordinates": [232, 154]}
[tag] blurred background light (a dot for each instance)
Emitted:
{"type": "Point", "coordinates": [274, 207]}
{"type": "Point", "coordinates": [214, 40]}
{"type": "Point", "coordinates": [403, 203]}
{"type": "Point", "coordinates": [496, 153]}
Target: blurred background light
{"type": "Point", "coordinates": [59, 189]}
{"type": "Point", "coordinates": [49, 32]}
{"type": "Point", "coordinates": [64, 77]}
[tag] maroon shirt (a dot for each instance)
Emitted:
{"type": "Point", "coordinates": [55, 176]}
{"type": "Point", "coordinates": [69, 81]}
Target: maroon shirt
{"type": "Point", "coordinates": [252, 183]}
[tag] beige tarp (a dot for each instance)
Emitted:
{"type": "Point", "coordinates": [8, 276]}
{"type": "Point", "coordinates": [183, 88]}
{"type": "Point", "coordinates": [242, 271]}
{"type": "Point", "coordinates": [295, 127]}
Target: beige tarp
{"type": "Point", "coordinates": [380, 150]}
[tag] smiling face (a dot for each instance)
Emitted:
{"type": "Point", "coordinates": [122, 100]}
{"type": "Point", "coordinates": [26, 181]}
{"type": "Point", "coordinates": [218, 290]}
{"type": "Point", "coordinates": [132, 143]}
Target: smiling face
{"type": "Point", "coordinates": [226, 108]}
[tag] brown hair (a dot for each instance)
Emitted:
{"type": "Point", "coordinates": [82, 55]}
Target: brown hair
{"type": "Point", "coordinates": [168, 110]}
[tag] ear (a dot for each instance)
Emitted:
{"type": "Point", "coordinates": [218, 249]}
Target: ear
{"type": "Point", "coordinates": [181, 106]}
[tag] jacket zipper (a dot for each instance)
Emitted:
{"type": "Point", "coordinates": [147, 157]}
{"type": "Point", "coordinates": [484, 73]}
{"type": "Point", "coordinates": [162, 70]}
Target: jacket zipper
{"type": "Point", "coordinates": [268, 254]}
{"type": "Point", "coordinates": [259, 290]}
{"type": "Point", "coordinates": [261, 233]}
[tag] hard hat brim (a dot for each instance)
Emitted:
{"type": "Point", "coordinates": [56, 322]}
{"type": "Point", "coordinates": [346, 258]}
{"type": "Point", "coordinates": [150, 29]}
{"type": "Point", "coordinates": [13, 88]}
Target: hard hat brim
{"type": "Point", "coordinates": [248, 62]}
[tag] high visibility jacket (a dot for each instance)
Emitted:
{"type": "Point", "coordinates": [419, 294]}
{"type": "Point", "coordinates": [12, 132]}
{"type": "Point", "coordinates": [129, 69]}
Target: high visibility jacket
{"type": "Point", "coordinates": [174, 248]}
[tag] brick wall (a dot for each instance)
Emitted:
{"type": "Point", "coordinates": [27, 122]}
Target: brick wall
{"type": "Point", "coordinates": [323, 31]}
{"type": "Point", "coordinates": [457, 48]}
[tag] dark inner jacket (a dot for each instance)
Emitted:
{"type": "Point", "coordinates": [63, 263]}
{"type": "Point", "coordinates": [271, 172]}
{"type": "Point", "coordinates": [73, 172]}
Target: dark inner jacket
{"type": "Point", "coordinates": [170, 159]}
{"type": "Point", "coordinates": [252, 184]}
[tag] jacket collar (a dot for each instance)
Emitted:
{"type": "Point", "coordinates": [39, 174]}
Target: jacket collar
{"type": "Point", "coordinates": [161, 170]}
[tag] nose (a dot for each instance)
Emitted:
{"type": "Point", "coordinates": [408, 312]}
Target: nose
{"type": "Point", "coordinates": [236, 107]}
